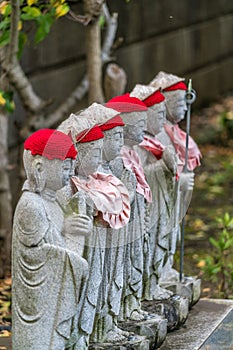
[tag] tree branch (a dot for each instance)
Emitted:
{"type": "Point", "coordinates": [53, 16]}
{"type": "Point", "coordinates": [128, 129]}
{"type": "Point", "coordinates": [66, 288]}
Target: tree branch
{"type": "Point", "coordinates": [15, 73]}
{"type": "Point", "coordinates": [58, 115]}
{"type": "Point", "coordinates": [14, 34]}
{"type": "Point", "coordinates": [112, 24]}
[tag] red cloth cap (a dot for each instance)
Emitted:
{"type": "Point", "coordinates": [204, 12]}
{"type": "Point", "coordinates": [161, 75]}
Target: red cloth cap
{"type": "Point", "coordinates": [178, 86]}
{"type": "Point", "coordinates": [51, 144]}
{"type": "Point", "coordinates": [153, 99]}
{"type": "Point", "coordinates": [126, 104]}
{"type": "Point", "coordinates": [112, 123]}
{"type": "Point", "coordinates": [88, 135]}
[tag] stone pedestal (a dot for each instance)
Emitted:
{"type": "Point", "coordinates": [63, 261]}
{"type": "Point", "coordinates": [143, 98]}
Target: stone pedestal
{"type": "Point", "coordinates": [174, 309]}
{"type": "Point", "coordinates": [133, 343]}
{"type": "Point", "coordinates": [189, 288]}
{"type": "Point", "coordinates": [209, 327]}
{"type": "Point", "coordinates": [154, 329]}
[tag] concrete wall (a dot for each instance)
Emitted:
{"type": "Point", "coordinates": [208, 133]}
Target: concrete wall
{"type": "Point", "coordinates": [192, 38]}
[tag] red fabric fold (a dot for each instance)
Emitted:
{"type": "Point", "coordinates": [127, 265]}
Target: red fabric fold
{"type": "Point", "coordinates": [178, 138]}
{"type": "Point", "coordinates": [132, 162]}
{"type": "Point", "coordinates": [109, 195]}
{"type": "Point", "coordinates": [154, 146]}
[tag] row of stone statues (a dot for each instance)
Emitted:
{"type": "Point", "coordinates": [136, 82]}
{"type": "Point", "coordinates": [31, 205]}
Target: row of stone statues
{"type": "Point", "coordinates": [96, 228]}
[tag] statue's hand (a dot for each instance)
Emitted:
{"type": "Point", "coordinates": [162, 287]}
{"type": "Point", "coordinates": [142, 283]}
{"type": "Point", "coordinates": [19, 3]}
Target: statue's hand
{"type": "Point", "coordinates": [169, 158]}
{"type": "Point", "coordinates": [186, 181]}
{"type": "Point", "coordinates": [78, 224]}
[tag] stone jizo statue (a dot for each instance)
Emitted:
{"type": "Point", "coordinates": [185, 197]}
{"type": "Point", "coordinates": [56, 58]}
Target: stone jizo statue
{"type": "Point", "coordinates": [111, 212]}
{"type": "Point", "coordinates": [133, 113]}
{"type": "Point", "coordinates": [47, 277]}
{"type": "Point", "coordinates": [159, 167]}
{"type": "Point", "coordinates": [174, 90]}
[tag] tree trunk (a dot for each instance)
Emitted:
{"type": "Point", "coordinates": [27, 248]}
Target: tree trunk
{"type": "Point", "coordinates": [94, 63]}
{"type": "Point", "coordinates": [115, 81]}
{"type": "Point", "coordinates": [5, 200]}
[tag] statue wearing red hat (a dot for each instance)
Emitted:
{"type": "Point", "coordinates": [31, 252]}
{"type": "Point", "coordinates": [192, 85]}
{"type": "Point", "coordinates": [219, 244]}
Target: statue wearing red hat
{"type": "Point", "coordinates": [159, 167]}
{"type": "Point", "coordinates": [133, 113]}
{"type": "Point", "coordinates": [46, 275]}
{"type": "Point", "coordinates": [174, 90]}
{"type": "Point", "coordinates": [106, 201]}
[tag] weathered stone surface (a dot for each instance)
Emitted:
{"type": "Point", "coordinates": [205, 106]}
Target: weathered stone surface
{"type": "Point", "coordinates": [174, 309]}
{"type": "Point", "coordinates": [189, 288]}
{"type": "Point", "coordinates": [136, 343]}
{"type": "Point", "coordinates": [154, 329]}
{"type": "Point", "coordinates": [211, 319]}
{"type": "Point", "coordinates": [222, 337]}
{"type": "Point", "coordinates": [209, 327]}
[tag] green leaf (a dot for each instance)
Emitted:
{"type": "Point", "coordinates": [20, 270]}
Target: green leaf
{"type": "Point", "coordinates": [9, 103]}
{"type": "Point", "coordinates": [214, 242]}
{"type": "Point", "coordinates": [5, 38]}
{"type": "Point", "coordinates": [10, 106]}
{"type": "Point", "coordinates": [22, 42]}
{"type": "Point", "coordinates": [32, 12]}
{"type": "Point", "coordinates": [44, 25]}
{"type": "Point", "coordinates": [101, 21]}
{"type": "Point", "coordinates": [7, 10]}
{"type": "Point", "coordinates": [226, 218]}
{"type": "Point", "coordinates": [5, 24]}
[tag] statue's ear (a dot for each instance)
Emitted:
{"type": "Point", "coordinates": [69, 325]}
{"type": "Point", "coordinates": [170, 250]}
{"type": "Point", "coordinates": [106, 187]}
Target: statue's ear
{"type": "Point", "coordinates": [39, 164]}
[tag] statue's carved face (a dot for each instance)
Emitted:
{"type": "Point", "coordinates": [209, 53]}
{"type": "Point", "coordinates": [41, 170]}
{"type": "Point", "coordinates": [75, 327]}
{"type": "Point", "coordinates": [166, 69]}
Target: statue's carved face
{"type": "Point", "coordinates": [135, 133]}
{"type": "Point", "coordinates": [43, 173]}
{"type": "Point", "coordinates": [156, 117]}
{"type": "Point", "coordinates": [176, 105]}
{"type": "Point", "coordinates": [67, 170]}
{"type": "Point", "coordinates": [113, 141]}
{"type": "Point", "coordinates": [89, 157]}
{"type": "Point", "coordinates": [52, 171]}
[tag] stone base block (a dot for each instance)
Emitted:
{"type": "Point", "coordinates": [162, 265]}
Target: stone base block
{"type": "Point", "coordinates": [209, 327]}
{"type": "Point", "coordinates": [189, 288]}
{"type": "Point", "coordinates": [154, 329]}
{"type": "Point", "coordinates": [136, 343]}
{"type": "Point", "coordinates": [174, 309]}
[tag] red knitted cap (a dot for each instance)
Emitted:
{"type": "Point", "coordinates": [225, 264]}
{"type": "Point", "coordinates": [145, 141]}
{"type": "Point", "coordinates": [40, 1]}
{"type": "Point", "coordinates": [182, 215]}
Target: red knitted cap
{"type": "Point", "coordinates": [125, 103]}
{"type": "Point", "coordinates": [51, 144]}
{"type": "Point", "coordinates": [153, 99]}
{"type": "Point", "coordinates": [89, 135]}
{"type": "Point", "coordinates": [112, 123]}
{"type": "Point", "coordinates": [177, 86]}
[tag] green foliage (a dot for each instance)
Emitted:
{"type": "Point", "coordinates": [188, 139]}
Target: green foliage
{"type": "Point", "coordinates": [41, 14]}
{"type": "Point", "coordinates": [218, 266]}
{"type": "Point", "coordinates": [44, 24]}
{"type": "Point", "coordinates": [6, 101]}
{"type": "Point", "coordinates": [226, 122]}
{"type": "Point", "coordinates": [102, 21]}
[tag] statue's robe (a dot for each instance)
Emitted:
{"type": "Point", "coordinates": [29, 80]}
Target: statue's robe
{"type": "Point", "coordinates": [110, 198]}
{"type": "Point", "coordinates": [160, 179]}
{"type": "Point", "coordinates": [110, 292]}
{"type": "Point", "coordinates": [47, 277]}
{"type": "Point", "coordinates": [133, 272]}
{"type": "Point", "coordinates": [172, 135]}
